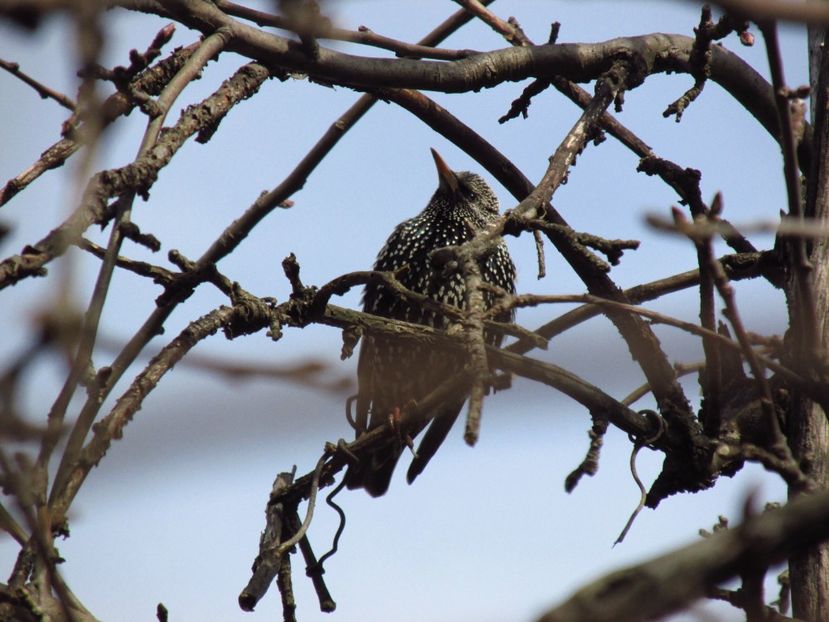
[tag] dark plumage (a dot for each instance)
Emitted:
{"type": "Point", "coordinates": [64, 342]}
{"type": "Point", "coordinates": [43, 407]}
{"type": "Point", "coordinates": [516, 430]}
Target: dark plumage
{"type": "Point", "coordinates": [391, 373]}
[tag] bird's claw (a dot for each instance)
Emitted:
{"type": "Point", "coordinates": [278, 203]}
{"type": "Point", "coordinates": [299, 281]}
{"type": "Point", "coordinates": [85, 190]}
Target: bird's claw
{"type": "Point", "coordinates": [403, 439]}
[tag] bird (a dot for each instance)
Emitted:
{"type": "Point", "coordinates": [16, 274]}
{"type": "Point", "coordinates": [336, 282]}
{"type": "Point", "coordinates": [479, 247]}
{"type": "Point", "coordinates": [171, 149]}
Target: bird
{"type": "Point", "coordinates": [392, 373]}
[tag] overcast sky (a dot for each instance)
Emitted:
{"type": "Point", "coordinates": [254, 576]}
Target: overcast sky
{"type": "Point", "coordinates": [174, 512]}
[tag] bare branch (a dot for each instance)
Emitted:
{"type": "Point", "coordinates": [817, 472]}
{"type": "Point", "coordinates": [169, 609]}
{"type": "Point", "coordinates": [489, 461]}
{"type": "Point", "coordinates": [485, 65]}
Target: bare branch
{"type": "Point", "coordinates": [150, 81]}
{"type": "Point", "coordinates": [363, 35]}
{"type": "Point", "coordinates": [136, 177]}
{"type": "Point", "coordinates": [44, 91]}
{"type": "Point", "coordinates": [689, 573]}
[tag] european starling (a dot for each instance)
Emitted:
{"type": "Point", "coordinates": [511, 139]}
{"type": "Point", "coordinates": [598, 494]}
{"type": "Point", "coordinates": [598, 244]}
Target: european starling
{"type": "Point", "coordinates": [392, 373]}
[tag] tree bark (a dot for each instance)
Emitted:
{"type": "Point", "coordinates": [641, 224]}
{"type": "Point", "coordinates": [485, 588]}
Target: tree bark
{"type": "Point", "coordinates": [808, 428]}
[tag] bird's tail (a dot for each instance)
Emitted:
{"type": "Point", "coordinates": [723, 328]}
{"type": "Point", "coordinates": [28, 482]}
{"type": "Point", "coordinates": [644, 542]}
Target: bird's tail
{"type": "Point", "coordinates": [373, 472]}
{"type": "Point", "coordinates": [432, 440]}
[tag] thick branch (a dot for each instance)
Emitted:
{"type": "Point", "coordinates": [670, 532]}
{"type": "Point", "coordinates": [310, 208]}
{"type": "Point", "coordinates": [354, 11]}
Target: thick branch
{"type": "Point", "coordinates": [669, 583]}
{"type": "Point", "coordinates": [653, 53]}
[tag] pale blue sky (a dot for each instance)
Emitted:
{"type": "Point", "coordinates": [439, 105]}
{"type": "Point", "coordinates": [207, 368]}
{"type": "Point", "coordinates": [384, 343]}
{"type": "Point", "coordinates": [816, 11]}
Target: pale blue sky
{"type": "Point", "coordinates": [174, 512]}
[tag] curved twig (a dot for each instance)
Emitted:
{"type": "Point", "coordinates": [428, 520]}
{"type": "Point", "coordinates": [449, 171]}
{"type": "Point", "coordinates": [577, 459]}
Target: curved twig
{"type": "Point", "coordinates": [291, 542]}
{"type": "Point", "coordinates": [643, 494]}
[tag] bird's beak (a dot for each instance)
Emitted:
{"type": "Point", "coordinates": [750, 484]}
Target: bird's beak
{"type": "Point", "coordinates": [447, 178]}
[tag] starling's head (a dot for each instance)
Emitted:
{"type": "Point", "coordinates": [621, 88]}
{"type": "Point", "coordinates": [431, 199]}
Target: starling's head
{"type": "Point", "coordinates": [465, 193]}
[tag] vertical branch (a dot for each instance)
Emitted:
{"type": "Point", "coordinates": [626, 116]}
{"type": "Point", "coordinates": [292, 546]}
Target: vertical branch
{"type": "Point", "coordinates": [286, 590]}
{"type": "Point", "coordinates": [808, 430]}
{"type": "Point", "coordinates": [266, 566]}
{"type": "Point", "coordinates": [474, 332]}
{"type": "Point", "coordinates": [710, 377]}
{"type": "Point", "coordinates": [802, 306]}
{"type": "Point", "coordinates": [686, 181]}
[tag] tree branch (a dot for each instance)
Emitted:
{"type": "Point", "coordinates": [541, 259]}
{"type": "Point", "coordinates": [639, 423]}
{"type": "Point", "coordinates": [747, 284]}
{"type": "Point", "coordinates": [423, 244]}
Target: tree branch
{"type": "Point", "coordinates": [666, 584]}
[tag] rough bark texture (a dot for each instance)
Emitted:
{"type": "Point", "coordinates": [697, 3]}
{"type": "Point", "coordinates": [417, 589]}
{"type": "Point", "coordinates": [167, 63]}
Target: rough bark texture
{"type": "Point", "coordinates": [808, 428]}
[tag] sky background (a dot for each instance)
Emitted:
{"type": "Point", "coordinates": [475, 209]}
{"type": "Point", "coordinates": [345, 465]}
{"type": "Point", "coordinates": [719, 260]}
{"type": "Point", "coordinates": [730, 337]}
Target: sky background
{"type": "Point", "coordinates": [174, 513]}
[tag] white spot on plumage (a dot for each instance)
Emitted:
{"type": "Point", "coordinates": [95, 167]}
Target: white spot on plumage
{"type": "Point", "coordinates": [394, 372]}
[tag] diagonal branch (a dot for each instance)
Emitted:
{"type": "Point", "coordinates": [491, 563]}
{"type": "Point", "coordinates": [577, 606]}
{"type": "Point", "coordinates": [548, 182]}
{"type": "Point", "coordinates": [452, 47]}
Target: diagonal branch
{"type": "Point", "coordinates": [44, 91]}
{"type": "Point", "coordinates": [663, 585]}
{"type": "Point", "coordinates": [138, 176]}
{"type": "Point", "coordinates": [149, 82]}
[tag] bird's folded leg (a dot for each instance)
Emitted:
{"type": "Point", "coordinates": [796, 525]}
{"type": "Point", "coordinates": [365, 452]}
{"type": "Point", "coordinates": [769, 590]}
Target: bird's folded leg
{"type": "Point", "coordinates": [403, 438]}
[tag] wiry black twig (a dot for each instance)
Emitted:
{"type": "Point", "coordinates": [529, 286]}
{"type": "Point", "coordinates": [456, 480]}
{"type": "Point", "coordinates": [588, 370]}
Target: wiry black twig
{"type": "Point", "coordinates": [637, 445]}
{"type": "Point", "coordinates": [314, 568]}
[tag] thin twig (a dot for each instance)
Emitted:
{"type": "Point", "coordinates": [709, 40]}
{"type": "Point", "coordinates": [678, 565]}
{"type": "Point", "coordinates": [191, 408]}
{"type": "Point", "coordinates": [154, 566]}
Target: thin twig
{"type": "Point", "coordinates": [726, 292]}
{"type": "Point", "coordinates": [150, 82]}
{"type": "Point", "coordinates": [805, 228]}
{"type": "Point", "coordinates": [309, 514]}
{"type": "Point", "coordinates": [18, 482]}
{"type": "Point", "coordinates": [123, 210]}
{"type": "Point", "coordinates": [524, 300]}
{"type": "Point", "coordinates": [682, 369]}
{"type": "Point", "coordinates": [111, 427]}
{"type": "Point", "coordinates": [643, 494]}
{"type": "Point", "coordinates": [512, 34]}
{"type": "Point", "coordinates": [362, 36]}
{"type": "Point", "coordinates": [44, 91]}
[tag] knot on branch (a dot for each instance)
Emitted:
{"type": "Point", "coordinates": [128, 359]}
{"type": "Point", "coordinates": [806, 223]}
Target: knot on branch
{"type": "Point", "coordinates": [250, 315]}
{"type": "Point", "coordinates": [182, 285]}
{"type": "Point", "coordinates": [628, 71]}
{"type": "Point", "coordinates": [301, 308]}
{"type": "Point", "coordinates": [688, 466]}
{"type": "Point", "coordinates": [138, 176]}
